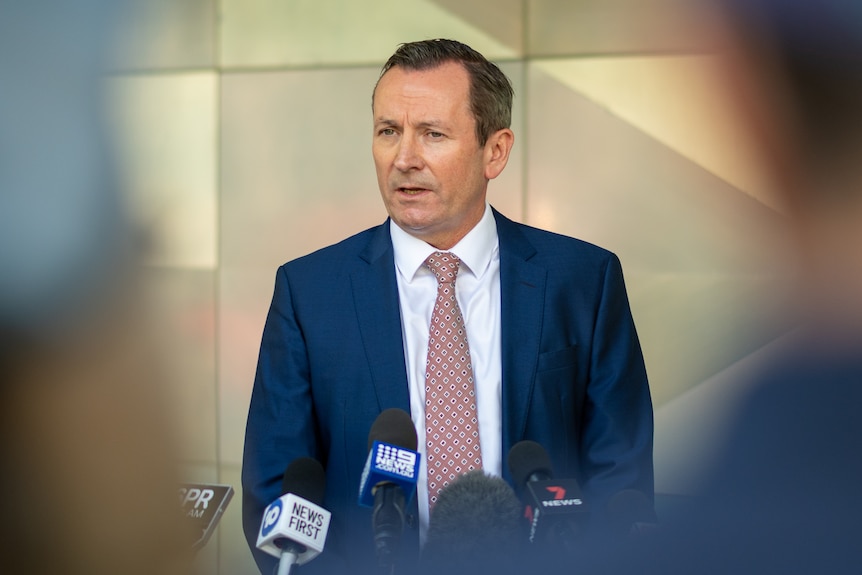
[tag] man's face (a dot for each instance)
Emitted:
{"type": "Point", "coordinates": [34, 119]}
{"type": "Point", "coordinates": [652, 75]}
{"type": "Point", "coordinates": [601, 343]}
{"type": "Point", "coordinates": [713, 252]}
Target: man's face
{"type": "Point", "coordinates": [431, 169]}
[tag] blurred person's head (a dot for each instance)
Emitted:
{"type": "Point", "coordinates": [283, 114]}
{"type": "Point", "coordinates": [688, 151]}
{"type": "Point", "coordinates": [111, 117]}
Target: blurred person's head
{"type": "Point", "coordinates": [795, 75]}
{"type": "Point", "coordinates": [64, 235]}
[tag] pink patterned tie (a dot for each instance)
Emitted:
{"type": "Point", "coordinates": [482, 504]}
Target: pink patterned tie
{"type": "Point", "coordinates": [451, 425]}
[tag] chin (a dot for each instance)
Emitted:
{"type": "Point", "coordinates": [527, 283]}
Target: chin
{"type": "Point", "coordinates": [414, 227]}
{"type": "Point", "coordinates": [414, 221]}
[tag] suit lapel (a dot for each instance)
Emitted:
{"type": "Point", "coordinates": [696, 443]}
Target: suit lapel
{"type": "Point", "coordinates": [522, 289]}
{"type": "Point", "coordinates": [375, 293]}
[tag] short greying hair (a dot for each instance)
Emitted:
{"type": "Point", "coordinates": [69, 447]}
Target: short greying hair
{"type": "Point", "coordinates": [490, 90]}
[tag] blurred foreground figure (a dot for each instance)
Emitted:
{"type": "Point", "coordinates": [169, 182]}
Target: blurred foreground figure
{"type": "Point", "coordinates": [787, 486]}
{"type": "Point", "coordinates": [476, 525]}
{"type": "Point", "coordinates": [87, 483]}
{"type": "Point", "coordinates": [784, 494]}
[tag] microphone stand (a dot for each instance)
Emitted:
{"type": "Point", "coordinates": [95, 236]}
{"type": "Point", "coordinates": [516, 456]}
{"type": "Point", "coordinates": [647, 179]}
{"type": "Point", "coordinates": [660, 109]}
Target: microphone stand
{"type": "Point", "coordinates": [289, 555]}
{"type": "Point", "coordinates": [388, 524]}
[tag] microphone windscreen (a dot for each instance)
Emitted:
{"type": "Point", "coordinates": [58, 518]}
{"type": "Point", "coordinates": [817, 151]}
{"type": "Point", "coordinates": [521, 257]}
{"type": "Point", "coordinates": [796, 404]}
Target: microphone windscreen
{"type": "Point", "coordinates": [305, 478]}
{"type": "Point", "coordinates": [477, 519]}
{"type": "Point", "coordinates": [527, 458]}
{"type": "Point", "coordinates": [395, 427]}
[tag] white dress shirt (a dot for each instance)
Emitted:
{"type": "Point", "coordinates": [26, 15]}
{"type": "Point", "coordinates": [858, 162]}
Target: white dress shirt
{"type": "Point", "coordinates": [477, 289]}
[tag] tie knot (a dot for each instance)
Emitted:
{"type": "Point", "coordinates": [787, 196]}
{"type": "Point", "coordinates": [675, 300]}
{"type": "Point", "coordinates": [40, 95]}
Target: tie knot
{"type": "Point", "coordinates": [444, 265]}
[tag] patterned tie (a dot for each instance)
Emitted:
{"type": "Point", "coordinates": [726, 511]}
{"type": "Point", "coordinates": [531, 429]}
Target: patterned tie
{"type": "Point", "coordinates": [451, 425]}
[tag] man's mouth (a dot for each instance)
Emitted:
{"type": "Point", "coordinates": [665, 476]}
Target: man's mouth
{"type": "Point", "coordinates": [411, 191]}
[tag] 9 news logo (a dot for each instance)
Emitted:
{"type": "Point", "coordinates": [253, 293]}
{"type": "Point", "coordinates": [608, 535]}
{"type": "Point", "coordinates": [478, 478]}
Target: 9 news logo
{"type": "Point", "coordinates": [270, 517]}
{"type": "Point", "coordinates": [392, 459]}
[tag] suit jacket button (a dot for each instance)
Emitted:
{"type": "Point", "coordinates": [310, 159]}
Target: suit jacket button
{"type": "Point", "coordinates": [411, 521]}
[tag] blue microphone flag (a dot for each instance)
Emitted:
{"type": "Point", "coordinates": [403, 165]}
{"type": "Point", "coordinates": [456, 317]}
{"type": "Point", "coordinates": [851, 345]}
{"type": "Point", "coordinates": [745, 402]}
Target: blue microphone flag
{"type": "Point", "coordinates": [388, 463]}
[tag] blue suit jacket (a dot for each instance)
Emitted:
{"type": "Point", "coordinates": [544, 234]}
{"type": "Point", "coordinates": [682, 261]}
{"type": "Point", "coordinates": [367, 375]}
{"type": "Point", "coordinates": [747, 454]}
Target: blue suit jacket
{"type": "Point", "coordinates": [332, 359]}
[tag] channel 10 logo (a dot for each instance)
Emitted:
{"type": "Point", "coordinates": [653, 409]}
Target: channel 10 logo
{"type": "Point", "coordinates": [270, 517]}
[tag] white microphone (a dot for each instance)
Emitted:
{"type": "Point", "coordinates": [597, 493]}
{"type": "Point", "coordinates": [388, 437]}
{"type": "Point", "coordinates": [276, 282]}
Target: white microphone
{"type": "Point", "coordinates": [294, 526]}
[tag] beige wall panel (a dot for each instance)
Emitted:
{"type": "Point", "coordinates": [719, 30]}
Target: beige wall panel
{"type": "Point", "coordinates": [164, 127]}
{"type": "Point", "coordinates": [245, 295]}
{"type": "Point", "coordinates": [303, 32]}
{"type": "Point", "coordinates": [501, 19]}
{"type": "Point", "coordinates": [165, 34]}
{"type": "Point", "coordinates": [699, 255]}
{"type": "Point", "coordinates": [575, 27]}
{"type": "Point", "coordinates": [181, 318]}
{"type": "Point", "coordinates": [297, 172]}
{"type": "Point", "coordinates": [594, 175]}
{"type": "Point", "coordinates": [681, 101]}
{"type": "Point", "coordinates": [693, 325]}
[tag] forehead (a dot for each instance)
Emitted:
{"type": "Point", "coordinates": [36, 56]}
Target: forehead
{"type": "Point", "coordinates": [445, 88]}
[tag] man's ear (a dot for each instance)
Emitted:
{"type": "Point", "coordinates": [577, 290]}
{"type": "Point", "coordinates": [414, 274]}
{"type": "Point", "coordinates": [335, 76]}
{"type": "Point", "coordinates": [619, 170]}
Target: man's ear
{"type": "Point", "coordinates": [496, 152]}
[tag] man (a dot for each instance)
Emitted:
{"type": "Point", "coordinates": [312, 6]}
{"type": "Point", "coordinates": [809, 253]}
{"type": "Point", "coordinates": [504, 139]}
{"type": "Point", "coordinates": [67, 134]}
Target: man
{"type": "Point", "coordinates": [552, 347]}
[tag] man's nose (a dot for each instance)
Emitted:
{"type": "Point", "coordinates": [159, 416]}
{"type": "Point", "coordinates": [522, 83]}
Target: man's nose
{"type": "Point", "coordinates": [409, 156]}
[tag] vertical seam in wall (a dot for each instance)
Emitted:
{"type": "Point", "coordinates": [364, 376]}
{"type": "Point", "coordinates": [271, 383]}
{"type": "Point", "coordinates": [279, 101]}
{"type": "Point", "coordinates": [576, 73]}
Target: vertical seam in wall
{"type": "Point", "coordinates": [525, 81]}
{"type": "Point", "coordinates": [217, 275]}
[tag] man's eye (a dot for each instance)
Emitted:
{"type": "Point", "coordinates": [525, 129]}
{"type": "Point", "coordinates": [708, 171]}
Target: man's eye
{"type": "Point", "coordinates": [435, 134]}
{"type": "Point", "coordinates": [386, 132]}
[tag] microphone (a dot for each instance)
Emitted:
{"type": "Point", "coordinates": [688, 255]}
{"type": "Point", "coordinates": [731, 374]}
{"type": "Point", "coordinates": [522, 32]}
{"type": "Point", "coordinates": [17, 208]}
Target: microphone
{"type": "Point", "coordinates": [631, 514]}
{"type": "Point", "coordinates": [203, 506]}
{"type": "Point", "coordinates": [294, 526]}
{"type": "Point", "coordinates": [476, 523]}
{"type": "Point", "coordinates": [554, 508]}
{"type": "Point", "coordinates": [389, 479]}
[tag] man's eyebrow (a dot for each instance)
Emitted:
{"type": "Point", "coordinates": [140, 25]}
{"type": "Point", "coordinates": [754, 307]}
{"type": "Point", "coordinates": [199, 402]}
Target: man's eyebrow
{"type": "Point", "coordinates": [432, 123]}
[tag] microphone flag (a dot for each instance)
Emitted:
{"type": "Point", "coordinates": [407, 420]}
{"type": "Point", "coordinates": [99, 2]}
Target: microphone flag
{"type": "Point", "coordinates": [203, 505]}
{"type": "Point", "coordinates": [552, 499]}
{"type": "Point", "coordinates": [388, 463]}
{"type": "Point", "coordinates": [297, 519]}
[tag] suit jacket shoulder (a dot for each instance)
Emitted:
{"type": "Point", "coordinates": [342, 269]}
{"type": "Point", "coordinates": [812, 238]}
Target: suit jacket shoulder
{"type": "Point", "coordinates": [534, 242]}
{"type": "Point", "coordinates": [367, 245]}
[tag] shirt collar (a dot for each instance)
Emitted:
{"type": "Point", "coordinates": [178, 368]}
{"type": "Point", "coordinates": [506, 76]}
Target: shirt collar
{"type": "Point", "coordinates": [475, 250]}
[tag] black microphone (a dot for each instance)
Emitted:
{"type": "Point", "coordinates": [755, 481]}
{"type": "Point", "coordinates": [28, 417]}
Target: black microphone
{"type": "Point", "coordinates": [528, 461]}
{"type": "Point", "coordinates": [476, 523]}
{"type": "Point", "coordinates": [389, 480]}
{"type": "Point", "coordinates": [294, 526]}
{"type": "Point", "coordinates": [554, 508]}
